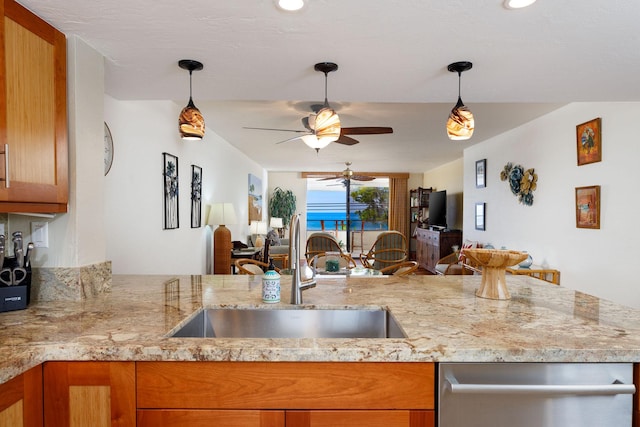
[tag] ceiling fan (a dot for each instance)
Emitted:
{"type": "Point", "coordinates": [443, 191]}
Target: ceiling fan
{"type": "Point", "coordinates": [323, 126]}
{"type": "Point", "coordinates": [347, 175]}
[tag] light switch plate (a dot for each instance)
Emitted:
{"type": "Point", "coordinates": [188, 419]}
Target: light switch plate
{"type": "Point", "coordinates": [40, 234]}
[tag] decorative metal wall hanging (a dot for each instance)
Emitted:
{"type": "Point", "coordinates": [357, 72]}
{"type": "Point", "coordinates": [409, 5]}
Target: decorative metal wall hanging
{"type": "Point", "coordinates": [170, 182]}
{"type": "Point", "coordinates": [196, 196]}
{"type": "Point", "coordinates": [522, 182]}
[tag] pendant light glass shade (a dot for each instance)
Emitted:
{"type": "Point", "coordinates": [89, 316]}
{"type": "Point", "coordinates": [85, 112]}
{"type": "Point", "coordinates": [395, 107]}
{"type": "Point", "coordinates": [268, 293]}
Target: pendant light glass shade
{"type": "Point", "coordinates": [327, 125]}
{"type": "Point", "coordinates": [315, 143]}
{"type": "Point", "coordinates": [191, 122]}
{"type": "Point", "coordinates": [460, 124]}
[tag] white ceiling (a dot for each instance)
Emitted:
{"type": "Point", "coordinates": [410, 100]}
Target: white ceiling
{"type": "Point", "coordinates": [392, 57]}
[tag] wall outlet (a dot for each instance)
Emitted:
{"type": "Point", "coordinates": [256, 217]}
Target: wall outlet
{"type": "Point", "coordinates": [40, 234]}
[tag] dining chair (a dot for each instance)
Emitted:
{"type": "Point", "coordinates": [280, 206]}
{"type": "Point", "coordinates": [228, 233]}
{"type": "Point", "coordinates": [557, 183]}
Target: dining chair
{"type": "Point", "coordinates": [400, 269]}
{"type": "Point", "coordinates": [389, 248]}
{"type": "Point", "coordinates": [251, 266]}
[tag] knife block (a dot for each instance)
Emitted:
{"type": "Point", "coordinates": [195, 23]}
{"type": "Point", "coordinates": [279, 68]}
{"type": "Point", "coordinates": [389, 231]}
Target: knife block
{"type": "Point", "coordinates": [15, 297]}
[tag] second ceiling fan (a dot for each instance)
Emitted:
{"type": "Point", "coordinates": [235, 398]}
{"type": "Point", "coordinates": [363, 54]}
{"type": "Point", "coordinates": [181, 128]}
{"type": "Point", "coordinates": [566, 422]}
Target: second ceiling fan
{"type": "Point", "coordinates": [323, 126]}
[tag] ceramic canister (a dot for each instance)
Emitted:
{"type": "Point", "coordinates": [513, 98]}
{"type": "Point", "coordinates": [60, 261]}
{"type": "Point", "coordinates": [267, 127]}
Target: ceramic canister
{"type": "Point", "coordinates": [271, 287]}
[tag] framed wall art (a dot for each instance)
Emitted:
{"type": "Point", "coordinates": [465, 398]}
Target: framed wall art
{"type": "Point", "coordinates": [196, 196]}
{"type": "Point", "coordinates": [481, 179]}
{"type": "Point", "coordinates": [588, 207]}
{"type": "Point", "coordinates": [589, 141]}
{"type": "Point", "coordinates": [255, 198]}
{"type": "Point", "coordinates": [170, 183]}
{"type": "Point", "coordinates": [480, 216]}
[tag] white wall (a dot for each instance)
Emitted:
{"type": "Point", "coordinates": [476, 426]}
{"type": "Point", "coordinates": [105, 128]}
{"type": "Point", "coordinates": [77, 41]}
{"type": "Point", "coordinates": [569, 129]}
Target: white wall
{"type": "Point", "coordinates": [598, 262]}
{"type": "Point", "coordinates": [136, 242]}
{"type": "Point", "coordinates": [449, 177]}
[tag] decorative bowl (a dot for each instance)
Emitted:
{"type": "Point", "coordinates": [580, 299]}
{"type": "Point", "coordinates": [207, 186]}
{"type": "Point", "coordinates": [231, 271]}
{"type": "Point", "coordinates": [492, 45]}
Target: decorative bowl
{"type": "Point", "coordinates": [494, 263]}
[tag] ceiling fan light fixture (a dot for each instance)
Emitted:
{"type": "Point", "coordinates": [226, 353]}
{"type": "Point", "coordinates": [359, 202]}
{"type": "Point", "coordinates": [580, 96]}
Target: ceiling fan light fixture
{"type": "Point", "coordinates": [518, 4]}
{"type": "Point", "coordinates": [315, 142]}
{"type": "Point", "coordinates": [191, 121]}
{"type": "Point", "coordinates": [460, 124]}
{"type": "Point", "coordinates": [290, 5]}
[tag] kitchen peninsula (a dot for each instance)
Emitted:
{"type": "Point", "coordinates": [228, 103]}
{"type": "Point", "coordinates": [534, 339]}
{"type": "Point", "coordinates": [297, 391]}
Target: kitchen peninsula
{"type": "Point", "coordinates": [441, 316]}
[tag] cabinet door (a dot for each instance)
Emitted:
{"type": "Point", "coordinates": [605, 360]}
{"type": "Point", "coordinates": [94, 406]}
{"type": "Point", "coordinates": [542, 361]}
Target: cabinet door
{"type": "Point", "coordinates": [207, 418]}
{"type": "Point", "coordinates": [97, 394]}
{"type": "Point", "coordinates": [360, 418]}
{"type": "Point", "coordinates": [21, 400]}
{"type": "Point", "coordinates": [33, 113]}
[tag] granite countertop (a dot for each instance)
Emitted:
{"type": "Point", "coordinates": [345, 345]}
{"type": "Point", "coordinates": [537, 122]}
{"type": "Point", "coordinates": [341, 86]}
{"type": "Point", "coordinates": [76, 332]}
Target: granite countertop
{"type": "Point", "coordinates": [441, 315]}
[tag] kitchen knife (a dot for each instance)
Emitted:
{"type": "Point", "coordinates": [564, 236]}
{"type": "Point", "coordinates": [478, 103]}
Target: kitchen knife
{"type": "Point", "coordinates": [27, 256]}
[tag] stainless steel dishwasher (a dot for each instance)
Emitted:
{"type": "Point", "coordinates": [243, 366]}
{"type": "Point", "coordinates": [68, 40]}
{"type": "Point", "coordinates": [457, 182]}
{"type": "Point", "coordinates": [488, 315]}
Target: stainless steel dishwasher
{"type": "Point", "coordinates": [535, 394]}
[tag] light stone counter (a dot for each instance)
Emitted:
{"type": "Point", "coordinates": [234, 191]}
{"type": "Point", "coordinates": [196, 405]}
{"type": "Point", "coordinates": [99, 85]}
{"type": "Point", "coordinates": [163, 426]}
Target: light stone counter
{"type": "Point", "coordinates": [442, 317]}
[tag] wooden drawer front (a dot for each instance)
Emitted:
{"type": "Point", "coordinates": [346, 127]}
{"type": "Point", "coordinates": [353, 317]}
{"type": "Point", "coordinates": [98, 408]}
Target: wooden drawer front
{"type": "Point", "coordinates": [285, 385]}
{"type": "Point", "coordinates": [360, 418]}
{"type": "Point", "coordinates": [21, 399]}
{"type": "Point", "coordinates": [208, 418]}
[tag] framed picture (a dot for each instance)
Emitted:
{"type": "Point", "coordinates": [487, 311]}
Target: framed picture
{"type": "Point", "coordinates": [170, 183]}
{"type": "Point", "coordinates": [588, 207]}
{"type": "Point", "coordinates": [480, 216]}
{"type": "Point", "coordinates": [589, 141]}
{"type": "Point", "coordinates": [196, 196]}
{"type": "Point", "coordinates": [481, 167]}
{"type": "Point", "coordinates": [255, 198]}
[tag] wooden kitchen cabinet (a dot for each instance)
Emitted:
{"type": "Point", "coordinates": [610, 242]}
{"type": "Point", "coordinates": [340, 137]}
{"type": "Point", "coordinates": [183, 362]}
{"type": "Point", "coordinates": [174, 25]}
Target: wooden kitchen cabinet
{"type": "Point", "coordinates": [434, 245]}
{"type": "Point", "coordinates": [21, 400]}
{"type": "Point", "coordinates": [97, 394]}
{"type": "Point", "coordinates": [33, 114]}
{"type": "Point", "coordinates": [305, 393]}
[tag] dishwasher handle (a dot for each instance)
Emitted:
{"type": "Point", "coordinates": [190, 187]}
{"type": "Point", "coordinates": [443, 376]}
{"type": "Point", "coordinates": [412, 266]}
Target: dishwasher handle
{"type": "Point", "coordinates": [616, 387]}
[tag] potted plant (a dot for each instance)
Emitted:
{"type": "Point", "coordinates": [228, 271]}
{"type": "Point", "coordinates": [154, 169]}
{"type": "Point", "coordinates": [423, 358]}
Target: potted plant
{"type": "Point", "coordinates": [282, 204]}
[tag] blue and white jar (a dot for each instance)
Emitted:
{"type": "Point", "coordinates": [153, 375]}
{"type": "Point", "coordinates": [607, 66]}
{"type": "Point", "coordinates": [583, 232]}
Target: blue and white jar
{"type": "Point", "coordinates": [271, 286]}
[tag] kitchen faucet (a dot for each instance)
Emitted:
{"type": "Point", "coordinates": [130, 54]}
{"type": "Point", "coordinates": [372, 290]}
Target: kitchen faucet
{"type": "Point", "coordinates": [297, 285]}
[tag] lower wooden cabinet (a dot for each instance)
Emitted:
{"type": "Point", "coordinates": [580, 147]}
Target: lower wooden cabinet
{"type": "Point", "coordinates": [208, 418]}
{"type": "Point", "coordinates": [21, 400]}
{"type": "Point", "coordinates": [96, 394]}
{"type": "Point", "coordinates": [300, 394]}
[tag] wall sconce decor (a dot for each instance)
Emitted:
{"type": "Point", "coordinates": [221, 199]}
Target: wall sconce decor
{"type": "Point", "coordinates": [522, 182]}
{"type": "Point", "coordinates": [460, 124]}
{"type": "Point", "coordinates": [196, 196]}
{"type": "Point", "coordinates": [191, 121]}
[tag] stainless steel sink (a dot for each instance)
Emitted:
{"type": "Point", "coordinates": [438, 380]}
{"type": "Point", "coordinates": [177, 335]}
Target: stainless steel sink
{"type": "Point", "coordinates": [291, 323]}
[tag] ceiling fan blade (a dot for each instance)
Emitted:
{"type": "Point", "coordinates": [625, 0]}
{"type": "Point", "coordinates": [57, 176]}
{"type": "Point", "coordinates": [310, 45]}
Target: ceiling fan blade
{"type": "Point", "coordinates": [362, 178]}
{"type": "Point", "coordinates": [290, 139]}
{"type": "Point", "coordinates": [329, 178]}
{"type": "Point", "coordinates": [366, 130]}
{"type": "Point", "coordinates": [280, 130]}
{"type": "Point", "coordinates": [308, 123]}
{"type": "Point", "coordinates": [346, 140]}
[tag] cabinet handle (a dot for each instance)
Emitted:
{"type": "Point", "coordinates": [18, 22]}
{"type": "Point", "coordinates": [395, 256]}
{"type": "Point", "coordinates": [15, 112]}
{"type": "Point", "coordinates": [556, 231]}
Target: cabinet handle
{"type": "Point", "coordinates": [616, 387]}
{"type": "Point", "coordinates": [6, 165]}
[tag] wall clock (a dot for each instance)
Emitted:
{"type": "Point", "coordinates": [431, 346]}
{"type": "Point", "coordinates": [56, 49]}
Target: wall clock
{"type": "Point", "coordinates": [108, 149]}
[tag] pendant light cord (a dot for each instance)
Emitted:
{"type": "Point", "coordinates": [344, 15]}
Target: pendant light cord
{"type": "Point", "coordinates": [190, 83]}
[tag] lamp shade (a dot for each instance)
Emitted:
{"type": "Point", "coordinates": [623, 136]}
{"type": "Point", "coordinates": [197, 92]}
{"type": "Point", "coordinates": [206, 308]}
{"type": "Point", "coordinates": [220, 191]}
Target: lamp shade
{"type": "Point", "coordinates": [327, 125]}
{"type": "Point", "coordinates": [191, 122]}
{"type": "Point", "coordinates": [258, 227]}
{"type": "Point", "coordinates": [222, 213]}
{"type": "Point", "coordinates": [460, 124]}
{"type": "Point", "coordinates": [276, 223]}
{"type": "Point", "coordinates": [315, 143]}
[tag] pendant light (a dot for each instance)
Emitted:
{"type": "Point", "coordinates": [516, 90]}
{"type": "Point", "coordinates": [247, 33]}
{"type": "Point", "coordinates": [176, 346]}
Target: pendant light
{"type": "Point", "coordinates": [460, 124]}
{"type": "Point", "coordinates": [191, 122]}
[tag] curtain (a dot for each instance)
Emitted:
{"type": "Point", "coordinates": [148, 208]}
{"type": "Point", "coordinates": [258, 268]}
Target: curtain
{"type": "Point", "coordinates": [399, 205]}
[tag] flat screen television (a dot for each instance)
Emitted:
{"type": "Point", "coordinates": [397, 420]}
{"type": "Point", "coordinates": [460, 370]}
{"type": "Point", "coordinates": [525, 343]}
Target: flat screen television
{"type": "Point", "coordinates": [438, 209]}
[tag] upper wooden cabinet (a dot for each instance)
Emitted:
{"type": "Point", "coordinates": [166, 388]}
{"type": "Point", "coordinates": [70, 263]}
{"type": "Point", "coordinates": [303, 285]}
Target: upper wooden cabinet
{"type": "Point", "coordinates": [33, 114]}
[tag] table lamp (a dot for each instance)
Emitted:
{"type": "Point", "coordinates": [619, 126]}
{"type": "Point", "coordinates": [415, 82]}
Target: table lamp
{"type": "Point", "coordinates": [222, 214]}
{"type": "Point", "coordinates": [258, 228]}
{"type": "Point", "coordinates": [276, 224]}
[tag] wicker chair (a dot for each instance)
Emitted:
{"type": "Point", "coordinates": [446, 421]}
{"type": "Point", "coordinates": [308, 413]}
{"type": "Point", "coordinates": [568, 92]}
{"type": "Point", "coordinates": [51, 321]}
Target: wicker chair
{"type": "Point", "coordinates": [401, 269]}
{"type": "Point", "coordinates": [389, 248]}
{"type": "Point", "coordinates": [451, 265]}
{"type": "Point", "coordinates": [319, 244]}
{"type": "Point", "coordinates": [251, 266]}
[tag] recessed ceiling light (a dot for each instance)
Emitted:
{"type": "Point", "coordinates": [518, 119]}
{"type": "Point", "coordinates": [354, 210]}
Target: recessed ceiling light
{"type": "Point", "coordinates": [290, 5]}
{"type": "Point", "coordinates": [518, 4]}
